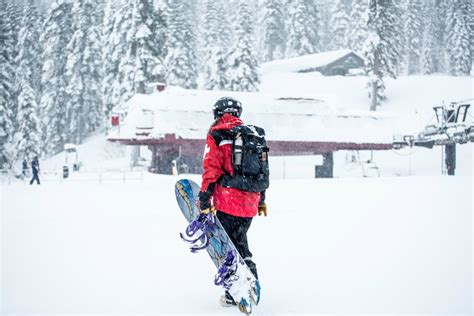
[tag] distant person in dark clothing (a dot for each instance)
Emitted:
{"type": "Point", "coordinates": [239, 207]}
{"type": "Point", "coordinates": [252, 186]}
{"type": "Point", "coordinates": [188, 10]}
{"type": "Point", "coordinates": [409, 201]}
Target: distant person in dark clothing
{"type": "Point", "coordinates": [35, 170]}
{"type": "Point", "coordinates": [24, 166]}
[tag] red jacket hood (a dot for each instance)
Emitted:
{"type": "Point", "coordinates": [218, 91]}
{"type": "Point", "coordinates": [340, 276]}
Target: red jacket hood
{"type": "Point", "coordinates": [226, 122]}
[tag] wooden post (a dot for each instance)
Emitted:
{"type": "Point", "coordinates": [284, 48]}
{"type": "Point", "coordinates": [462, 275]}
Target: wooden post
{"type": "Point", "coordinates": [373, 104]}
{"type": "Point", "coordinates": [154, 162]}
{"type": "Point", "coordinates": [450, 151]}
{"type": "Point", "coordinates": [327, 169]}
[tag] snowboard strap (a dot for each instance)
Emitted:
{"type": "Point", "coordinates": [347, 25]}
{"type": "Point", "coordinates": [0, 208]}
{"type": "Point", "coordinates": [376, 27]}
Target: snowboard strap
{"type": "Point", "coordinates": [226, 273]}
{"type": "Point", "coordinates": [197, 232]}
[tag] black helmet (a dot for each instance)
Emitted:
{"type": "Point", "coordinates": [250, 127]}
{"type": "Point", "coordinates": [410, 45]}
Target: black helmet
{"type": "Point", "coordinates": [227, 105]}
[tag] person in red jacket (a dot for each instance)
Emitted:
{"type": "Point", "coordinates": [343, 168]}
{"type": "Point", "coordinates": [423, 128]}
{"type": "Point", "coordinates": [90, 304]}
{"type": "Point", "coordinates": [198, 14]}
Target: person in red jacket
{"type": "Point", "coordinates": [234, 208]}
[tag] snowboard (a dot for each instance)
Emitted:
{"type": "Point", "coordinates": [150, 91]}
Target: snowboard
{"type": "Point", "coordinates": [241, 284]}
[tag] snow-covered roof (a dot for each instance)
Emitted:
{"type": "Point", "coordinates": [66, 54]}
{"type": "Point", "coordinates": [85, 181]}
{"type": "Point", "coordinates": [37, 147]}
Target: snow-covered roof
{"type": "Point", "coordinates": [70, 147]}
{"type": "Point", "coordinates": [188, 114]}
{"type": "Point", "coordinates": [305, 62]}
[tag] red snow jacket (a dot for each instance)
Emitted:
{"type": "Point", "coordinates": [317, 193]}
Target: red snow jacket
{"type": "Point", "coordinates": [216, 162]}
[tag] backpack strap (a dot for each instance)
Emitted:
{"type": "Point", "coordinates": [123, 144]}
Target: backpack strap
{"type": "Point", "coordinates": [221, 135]}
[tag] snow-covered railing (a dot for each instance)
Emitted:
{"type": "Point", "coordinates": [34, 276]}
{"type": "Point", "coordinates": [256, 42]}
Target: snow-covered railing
{"type": "Point", "coordinates": [96, 176]}
{"type": "Point", "coordinates": [5, 177]}
{"type": "Point", "coordinates": [100, 176]}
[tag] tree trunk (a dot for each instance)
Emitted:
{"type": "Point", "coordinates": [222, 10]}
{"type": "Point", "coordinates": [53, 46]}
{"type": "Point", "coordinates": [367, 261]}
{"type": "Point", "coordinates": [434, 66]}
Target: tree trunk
{"type": "Point", "coordinates": [373, 104]}
{"type": "Point", "coordinates": [374, 101]}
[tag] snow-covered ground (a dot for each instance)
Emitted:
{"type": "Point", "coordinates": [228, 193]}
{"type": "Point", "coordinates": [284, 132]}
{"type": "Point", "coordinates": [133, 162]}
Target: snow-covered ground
{"type": "Point", "coordinates": [352, 246]}
{"type": "Point", "coordinates": [109, 244]}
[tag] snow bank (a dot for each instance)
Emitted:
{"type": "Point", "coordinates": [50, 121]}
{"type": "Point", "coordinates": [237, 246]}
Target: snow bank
{"type": "Point", "coordinates": [96, 153]}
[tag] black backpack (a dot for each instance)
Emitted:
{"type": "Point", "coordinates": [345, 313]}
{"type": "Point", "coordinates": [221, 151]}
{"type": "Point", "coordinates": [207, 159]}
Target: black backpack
{"type": "Point", "coordinates": [249, 158]}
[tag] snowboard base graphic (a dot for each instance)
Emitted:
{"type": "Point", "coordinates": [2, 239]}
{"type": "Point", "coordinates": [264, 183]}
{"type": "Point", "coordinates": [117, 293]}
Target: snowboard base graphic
{"type": "Point", "coordinates": [241, 284]}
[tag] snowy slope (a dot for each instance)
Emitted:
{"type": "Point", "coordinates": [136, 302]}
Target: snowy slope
{"type": "Point", "coordinates": [409, 98]}
{"type": "Point", "coordinates": [96, 153]}
{"type": "Point", "coordinates": [352, 246]}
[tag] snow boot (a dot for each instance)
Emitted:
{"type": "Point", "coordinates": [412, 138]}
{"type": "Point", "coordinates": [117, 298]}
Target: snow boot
{"type": "Point", "coordinates": [227, 300]}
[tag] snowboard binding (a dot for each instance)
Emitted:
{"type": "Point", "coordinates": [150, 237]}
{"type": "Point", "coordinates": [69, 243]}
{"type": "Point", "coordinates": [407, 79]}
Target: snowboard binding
{"type": "Point", "coordinates": [226, 273]}
{"type": "Point", "coordinates": [226, 277]}
{"type": "Point", "coordinates": [198, 231]}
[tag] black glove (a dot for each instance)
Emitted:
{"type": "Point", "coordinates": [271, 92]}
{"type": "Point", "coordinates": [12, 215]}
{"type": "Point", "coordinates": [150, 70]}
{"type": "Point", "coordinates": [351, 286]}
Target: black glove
{"type": "Point", "coordinates": [204, 200]}
{"type": "Point", "coordinates": [262, 197]}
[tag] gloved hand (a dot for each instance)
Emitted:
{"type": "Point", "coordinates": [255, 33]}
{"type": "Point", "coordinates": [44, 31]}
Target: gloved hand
{"type": "Point", "coordinates": [205, 201]}
{"type": "Point", "coordinates": [262, 209]}
{"type": "Point", "coordinates": [209, 209]}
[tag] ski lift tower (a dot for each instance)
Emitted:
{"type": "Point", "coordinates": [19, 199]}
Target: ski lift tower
{"type": "Point", "coordinates": [451, 121]}
{"type": "Point", "coordinates": [450, 129]}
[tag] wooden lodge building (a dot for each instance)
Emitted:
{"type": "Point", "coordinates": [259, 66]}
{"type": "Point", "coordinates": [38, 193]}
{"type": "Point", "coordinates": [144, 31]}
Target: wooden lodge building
{"type": "Point", "coordinates": [342, 62]}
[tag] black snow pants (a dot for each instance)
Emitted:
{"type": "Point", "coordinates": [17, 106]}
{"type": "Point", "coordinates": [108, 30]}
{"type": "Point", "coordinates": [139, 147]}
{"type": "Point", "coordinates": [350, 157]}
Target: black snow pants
{"type": "Point", "coordinates": [236, 228]}
{"type": "Point", "coordinates": [35, 178]}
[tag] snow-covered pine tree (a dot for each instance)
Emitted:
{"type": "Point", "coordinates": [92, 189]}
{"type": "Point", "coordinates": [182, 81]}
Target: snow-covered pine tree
{"type": "Point", "coordinates": [28, 79]}
{"type": "Point", "coordinates": [458, 37]}
{"type": "Point", "coordinates": [413, 35]}
{"type": "Point", "coordinates": [13, 11]}
{"type": "Point", "coordinates": [440, 33]}
{"type": "Point", "coordinates": [218, 70]}
{"type": "Point", "coordinates": [243, 65]}
{"type": "Point", "coordinates": [471, 33]}
{"type": "Point", "coordinates": [429, 55]}
{"type": "Point", "coordinates": [56, 34]}
{"type": "Point", "coordinates": [375, 84]}
{"type": "Point", "coordinates": [200, 49]}
{"type": "Point", "coordinates": [213, 46]}
{"type": "Point", "coordinates": [150, 39]}
{"type": "Point", "coordinates": [142, 28]}
{"type": "Point", "coordinates": [110, 62]}
{"type": "Point", "coordinates": [84, 72]}
{"type": "Point", "coordinates": [6, 93]}
{"type": "Point", "coordinates": [227, 20]}
{"type": "Point", "coordinates": [358, 24]}
{"type": "Point", "coordinates": [181, 58]}
{"type": "Point", "coordinates": [303, 37]}
{"type": "Point", "coordinates": [14, 16]}
{"type": "Point", "coordinates": [324, 25]}
{"type": "Point", "coordinates": [339, 25]}
{"type": "Point", "coordinates": [271, 30]}
{"type": "Point", "coordinates": [382, 47]}
{"type": "Point", "coordinates": [8, 46]}
{"type": "Point", "coordinates": [120, 52]}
